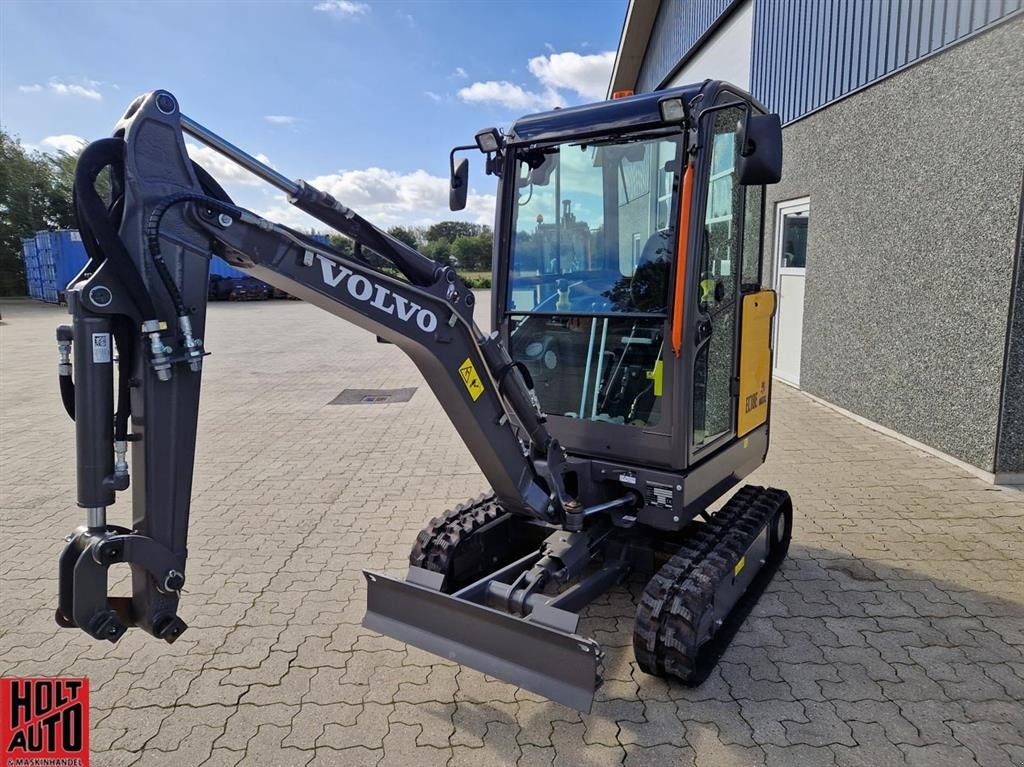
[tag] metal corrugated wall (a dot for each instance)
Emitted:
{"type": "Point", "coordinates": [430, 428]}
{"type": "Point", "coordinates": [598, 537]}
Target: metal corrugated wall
{"type": "Point", "coordinates": [678, 27]}
{"type": "Point", "coordinates": [807, 53]}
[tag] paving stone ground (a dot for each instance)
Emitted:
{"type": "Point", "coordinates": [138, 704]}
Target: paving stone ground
{"type": "Point", "coordinates": [893, 635]}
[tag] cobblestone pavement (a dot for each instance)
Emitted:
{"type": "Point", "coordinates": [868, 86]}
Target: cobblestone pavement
{"type": "Point", "coordinates": [894, 634]}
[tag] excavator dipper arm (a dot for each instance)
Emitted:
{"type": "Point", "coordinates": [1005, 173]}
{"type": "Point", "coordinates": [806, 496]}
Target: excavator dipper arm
{"type": "Point", "coordinates": [144, 292]}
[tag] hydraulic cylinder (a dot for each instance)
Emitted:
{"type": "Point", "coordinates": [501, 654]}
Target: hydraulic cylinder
{"type": "Point", "coordinates": [94, 413]}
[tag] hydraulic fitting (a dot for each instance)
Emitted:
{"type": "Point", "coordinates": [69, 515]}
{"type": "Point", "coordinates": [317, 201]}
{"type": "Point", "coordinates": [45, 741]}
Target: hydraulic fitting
{"type": "Point", "coordinates": [121, 457]}
{"type": "Point", "coordinates": [573, 515]}
{"type": "Point", "coordinates": [160, 352]}
{"type": "Point", "coordinates": [64, 335]}
{"type": "Point", "coordinates": [119, 480]}
{"type": "Point", "coordinates": [193, 346]}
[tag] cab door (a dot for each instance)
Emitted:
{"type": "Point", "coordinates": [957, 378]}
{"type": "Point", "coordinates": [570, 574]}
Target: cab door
{"type": "Point", "coordinates": [716, 287]}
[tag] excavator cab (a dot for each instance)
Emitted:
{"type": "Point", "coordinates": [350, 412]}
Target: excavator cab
{"type": "Point", "coordinates": [623, 389]}
{"type": "Point", "coordinates": [628, 284]}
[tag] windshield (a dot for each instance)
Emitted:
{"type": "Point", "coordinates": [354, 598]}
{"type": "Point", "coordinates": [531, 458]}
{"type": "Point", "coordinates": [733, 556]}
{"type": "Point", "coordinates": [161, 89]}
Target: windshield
{"type": "Point", "coordinates": [591, 227]}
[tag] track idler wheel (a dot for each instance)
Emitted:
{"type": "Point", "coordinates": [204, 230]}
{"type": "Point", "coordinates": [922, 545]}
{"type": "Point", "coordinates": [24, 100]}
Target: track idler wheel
{"type": "Point", "coordinates": [692, 607]}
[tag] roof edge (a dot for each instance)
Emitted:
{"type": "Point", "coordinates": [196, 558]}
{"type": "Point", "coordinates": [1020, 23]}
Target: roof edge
{"type": "Point", "coordinates": [636, 33]}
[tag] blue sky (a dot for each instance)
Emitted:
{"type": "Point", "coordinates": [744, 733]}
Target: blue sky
{"type": "Point", "coordinates": [365, 98]}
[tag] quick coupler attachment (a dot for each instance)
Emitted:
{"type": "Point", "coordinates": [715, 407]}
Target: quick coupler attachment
{"type": "Point", "coordinates": [83, 601]}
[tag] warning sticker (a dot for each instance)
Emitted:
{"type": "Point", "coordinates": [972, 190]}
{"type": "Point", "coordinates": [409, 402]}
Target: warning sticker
{"type": "Point", "coordinates": [471, 379]}
{"type": "Point", "coordinates": [739, 567]}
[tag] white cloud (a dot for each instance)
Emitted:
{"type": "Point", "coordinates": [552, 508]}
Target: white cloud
{"type": "Point", "coordinates": [342, 8]}
{"type": "Point", "coordinates": [87, 91]}
{"type": "Point", "coordinates": [432, 96]}
{"type": "Point", "coordinates": [459, 73]}
{"type": "Point", "coordinates": [282, 119]}
{"type": "Point", "coordinates": [587, 75]}
{"type": "Point", "coordinates": [510, 95]}
{"type": "Point", "coordinates": [221, 168]}
{"type": "Point", "coordinates": [72, 89]}
{"type": "Point", "coordinates": [387, 198]}
{"type": "Point", "coordinates": [65, 142]}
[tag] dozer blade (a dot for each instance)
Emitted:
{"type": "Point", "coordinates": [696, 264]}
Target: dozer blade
{"type": "Point", "coordinates": [560, 666]}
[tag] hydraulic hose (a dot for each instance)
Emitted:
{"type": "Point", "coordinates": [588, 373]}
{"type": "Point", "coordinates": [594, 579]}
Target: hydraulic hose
{"type": "Point", "coordinates": [125, 363]}
{"type": "Point", "coordinates": [67, 393]}
{"type": "Point", "coordinates": [153, 238]}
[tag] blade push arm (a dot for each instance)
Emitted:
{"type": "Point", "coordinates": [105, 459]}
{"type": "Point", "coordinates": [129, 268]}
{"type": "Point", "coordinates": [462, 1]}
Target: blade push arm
{"type": "Point", "coordinates": [143, 292]}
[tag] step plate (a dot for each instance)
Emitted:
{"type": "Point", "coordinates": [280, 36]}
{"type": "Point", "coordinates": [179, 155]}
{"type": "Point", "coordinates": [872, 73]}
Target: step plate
{"type": "Point", "coordinates": [562, 667]}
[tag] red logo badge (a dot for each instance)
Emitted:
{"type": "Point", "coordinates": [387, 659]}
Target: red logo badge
{"type": "Point", "coordinates": [44, 722]}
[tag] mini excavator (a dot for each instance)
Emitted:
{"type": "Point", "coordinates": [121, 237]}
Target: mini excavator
{"type": "Point", "coordinates": [625, 387]}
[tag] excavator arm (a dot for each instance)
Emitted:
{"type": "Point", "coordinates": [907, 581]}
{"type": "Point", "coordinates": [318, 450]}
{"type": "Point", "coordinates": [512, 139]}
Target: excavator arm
{"type": "Point", "coordinates": [143, 292]}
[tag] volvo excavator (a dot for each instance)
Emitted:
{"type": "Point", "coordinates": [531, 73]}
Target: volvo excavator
{"type": "Point", "coordinates": [624, 389]}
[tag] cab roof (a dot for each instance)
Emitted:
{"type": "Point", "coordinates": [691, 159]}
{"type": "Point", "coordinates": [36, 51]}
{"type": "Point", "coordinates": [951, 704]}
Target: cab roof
{"type": "Point", "coordinates": [606, 117]}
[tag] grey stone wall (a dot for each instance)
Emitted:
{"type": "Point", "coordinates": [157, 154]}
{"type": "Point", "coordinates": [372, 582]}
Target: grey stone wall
{"type": "Point", "coordinates": [915, 188]}
{"type": "Point", "coordinates": [1010, 448]}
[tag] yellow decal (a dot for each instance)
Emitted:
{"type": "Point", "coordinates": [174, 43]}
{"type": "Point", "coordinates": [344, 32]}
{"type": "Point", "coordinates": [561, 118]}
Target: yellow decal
{"type": "Point", "coordinates": [755, 360]}
{"type": "Point", "coordinates": [471, 379]}
{"type": "Point", "coordinates": [739, 567]}
{"type": "Point", "coordinates": [658, 376]}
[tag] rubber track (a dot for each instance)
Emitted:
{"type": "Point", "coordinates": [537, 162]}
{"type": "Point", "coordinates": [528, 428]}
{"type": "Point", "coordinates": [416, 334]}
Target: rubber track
{"type": "Point", "coordinates": [682, 591]}
{"type": "Point", "coordinates": [437, 543]}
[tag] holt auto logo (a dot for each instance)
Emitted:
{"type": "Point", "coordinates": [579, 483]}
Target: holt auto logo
{"type": "Point", "coordinates": [44, 722]}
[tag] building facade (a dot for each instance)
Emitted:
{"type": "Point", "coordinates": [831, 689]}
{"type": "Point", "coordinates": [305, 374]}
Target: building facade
{"type": "Point", "coordinates": [894, 238]}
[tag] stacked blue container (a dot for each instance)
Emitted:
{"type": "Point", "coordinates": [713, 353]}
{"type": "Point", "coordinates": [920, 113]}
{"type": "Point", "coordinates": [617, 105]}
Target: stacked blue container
{"type": "Point", "coordinates": [61, 256]}
{"type": "Point", "coordinates": [33, 277]}
{"type": "Point", "coordinates": [221, 268]}
{"type": "Point", "coordinates": [53, 259]}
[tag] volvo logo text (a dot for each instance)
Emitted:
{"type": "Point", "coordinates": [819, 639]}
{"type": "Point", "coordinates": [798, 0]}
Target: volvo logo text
{"type": "Point", "coordinates": [377, 296]}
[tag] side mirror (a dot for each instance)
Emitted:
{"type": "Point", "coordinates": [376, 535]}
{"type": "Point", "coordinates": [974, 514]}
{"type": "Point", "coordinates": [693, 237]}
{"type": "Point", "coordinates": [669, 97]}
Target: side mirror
{"type": "Point", "coordinates": [760, 160]}
{"type": "Point", "coordinates": [458, 186]}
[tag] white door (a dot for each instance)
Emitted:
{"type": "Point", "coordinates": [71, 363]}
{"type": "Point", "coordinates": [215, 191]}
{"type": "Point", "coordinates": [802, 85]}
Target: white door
{"type": "Point", "coordinates": [790, 269]}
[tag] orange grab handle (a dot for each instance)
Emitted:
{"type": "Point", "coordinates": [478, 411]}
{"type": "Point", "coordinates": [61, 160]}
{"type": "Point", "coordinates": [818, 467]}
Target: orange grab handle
{"type": "Point", "coordinates": [682, 243]}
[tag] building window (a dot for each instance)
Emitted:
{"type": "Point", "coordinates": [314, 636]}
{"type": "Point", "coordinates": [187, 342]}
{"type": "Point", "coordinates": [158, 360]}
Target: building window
{"type": "Point", "coordinates": [794, 240]}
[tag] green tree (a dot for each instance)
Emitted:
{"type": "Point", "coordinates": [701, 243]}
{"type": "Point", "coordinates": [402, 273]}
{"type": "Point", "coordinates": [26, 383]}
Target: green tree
{"type": "Point", "coordinates": [340, 242]}
{"type": "Point", "coordinates": [35, 194]}
{"type": "Point", "coordinates": [473, 254]}
{"type": "Point", "coordinates": [452, 230]}
{"type": "Point", "coordinates": [408, 235]}
{"type": "Point", "coordinates": [440, 250]}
